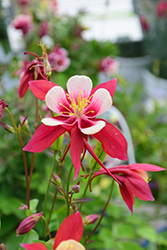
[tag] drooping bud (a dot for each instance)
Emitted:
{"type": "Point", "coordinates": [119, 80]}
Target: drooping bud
{"type": "Point", "coordinates": [27, 224]}
{"type": "Point", "coordinates": [57, 180]}
{"type": "Point", "coordinates": [76, 189]}
{"type": "Point", "coordinates": [90, 219]}
{"type": "Point", "coordinates": [7, 127]}
{"type": "Point", "coordinates": [3, 247]}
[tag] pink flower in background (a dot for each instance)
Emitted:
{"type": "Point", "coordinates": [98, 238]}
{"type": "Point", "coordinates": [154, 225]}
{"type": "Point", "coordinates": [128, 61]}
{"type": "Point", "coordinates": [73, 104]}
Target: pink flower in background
{"type": "Point", "coordinates": [162, 8]}
{"type": "Point", "coordinates": [67, 237]}
{"type": "Point", "coordinates": [109, 66]}
{"type": "Point", "coordinates": [24, 23]}
{"type": "Point", "coordinates": [3, 105]}
{"type": "Point", "coordinates": [144, 23]}
{"type": "Point", "coordinates": [58, 59]}
{"type": "Point", "coordinates": [43, 29]}
{"type": "Point", "coordinates": [23, 2]}
{"type": "Point", "coordinates": [133, 181]}
{"type": "Point", "coordinates": [77, 111]}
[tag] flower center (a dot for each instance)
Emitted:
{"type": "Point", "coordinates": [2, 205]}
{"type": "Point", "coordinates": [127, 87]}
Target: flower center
{"type": "Point", "coordinates": [77, 105]}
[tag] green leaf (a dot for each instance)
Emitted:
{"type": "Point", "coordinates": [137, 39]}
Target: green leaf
{"type": "Point", "coordinates": [147, 233]}
{"type": "Point", "coordinates": [33, 205]}
{"type": "Point", "coordinates": [30, 237]}
{"type": "Point", "coordinates": [61, 215]}
{"type": "Point", "coordinates": [131, 246]}
{"type": "Point", "coordinates": [123, 231]}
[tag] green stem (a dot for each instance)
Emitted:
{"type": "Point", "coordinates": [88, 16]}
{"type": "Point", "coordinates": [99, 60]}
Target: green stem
{"type": "Point", "coordinates": [67, 190]}
{"type": "Point", "coordinates": [99, 221]}
{"type": "Point", "coordinates": [47, 226]}
{"type": "Point", "coordinates": [55, 195]}
{"type": "Point", "coordinates": [31, 168]}
{"type": "Point", "coordinates": [86, 188]}
{"type": "Point", "coordinates": [36, 114]}
{"type": "Point", "coordinates": [47, 191]}
{"type": "Point", "coordinates": [23, 154]}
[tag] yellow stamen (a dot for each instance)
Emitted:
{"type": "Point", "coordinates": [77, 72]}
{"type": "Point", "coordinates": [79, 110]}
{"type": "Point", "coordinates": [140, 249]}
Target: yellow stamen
{"type": "Point", "coordinates": [148, 180]}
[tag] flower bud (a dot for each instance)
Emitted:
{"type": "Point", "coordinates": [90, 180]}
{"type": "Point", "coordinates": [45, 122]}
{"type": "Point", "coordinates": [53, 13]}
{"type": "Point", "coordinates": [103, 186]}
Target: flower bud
{"type": "Point", "coordinates": [76, 189]}
{"type": "Point", "coordinates": [57, 180]}
{"type": "Point", "coordinates": [90, 219]}
{"type": "Point", "coordinates": [3, 247]}
{"type": "Point", "coordinates": [57, 145]}
{"type": "Point", "coordinates": [27, 224]}
{"type": "Point", "coordinates": [7, 127]}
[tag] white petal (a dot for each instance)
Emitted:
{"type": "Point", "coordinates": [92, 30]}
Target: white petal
{"type": "Point", "coordinates": [100, 103]}
{"type": "Point", "coordinates": [51, 122]}
{"type": "Point", "coordinates": [93, 129]}
{"type": "Point", "coordinates": [79, 83]}
{"type": "Point", "coordinates": [54, 97]}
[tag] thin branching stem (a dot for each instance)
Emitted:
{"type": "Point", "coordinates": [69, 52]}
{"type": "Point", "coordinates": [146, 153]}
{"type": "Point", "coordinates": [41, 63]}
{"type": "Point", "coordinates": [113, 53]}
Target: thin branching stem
{"type": "Point", "coordinates": [24, 156]}
{"type": "Point", "coordinates": [102, 215]}
{"type": "Point", "coordinates": [67, 190]}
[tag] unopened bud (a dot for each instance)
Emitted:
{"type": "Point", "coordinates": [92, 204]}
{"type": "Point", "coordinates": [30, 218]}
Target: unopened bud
{"type": "Point", "coordinates": [90, 219]}
{"type": "Point", "coordinates": [27, 224]}
{"type": "Point", "coordinates": [57, 145]}
{"type": "Point", "coordinates": [3, 247]}
{"type": "Point", "coordinates": [57, 180]}
{"type": "Point", "coordinates": [76, 189]}
{"type": "Point", "coordinates": [7, 127]}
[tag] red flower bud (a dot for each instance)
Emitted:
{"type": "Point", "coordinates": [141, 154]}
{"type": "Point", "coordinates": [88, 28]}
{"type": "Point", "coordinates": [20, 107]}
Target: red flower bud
{"type": "Point", "coordinates": [90, 219]}
{"type": "Point", "coordinates": [3, 247]}
{"type": "Point", "coordinates": [28, 224]}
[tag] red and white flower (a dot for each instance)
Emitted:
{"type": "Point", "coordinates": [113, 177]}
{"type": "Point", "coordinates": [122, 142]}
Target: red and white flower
{"type": "Point", "coordinates": [77, 111]}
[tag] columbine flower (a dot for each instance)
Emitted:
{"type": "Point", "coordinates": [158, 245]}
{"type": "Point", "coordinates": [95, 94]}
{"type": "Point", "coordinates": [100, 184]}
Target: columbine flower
{"type": "Point", "coordinates": [77, 110]}
{"type": "Point", "coordinates": [58, 59]}
{"type": "Point", "coordinates": [3, 105]}
{"type": "Point", "coordinates": [162, 8]}
{"type": "Point", "coordinates": [68, 235]}
{"type": "Point", "coordinates": [23, 23]}
{"type": "Point", "coordinates": [109, 66]}
{"type": "Point", "coordinates": [133, 180]}
{"type": "Point", "coordinates": [27, 224]}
